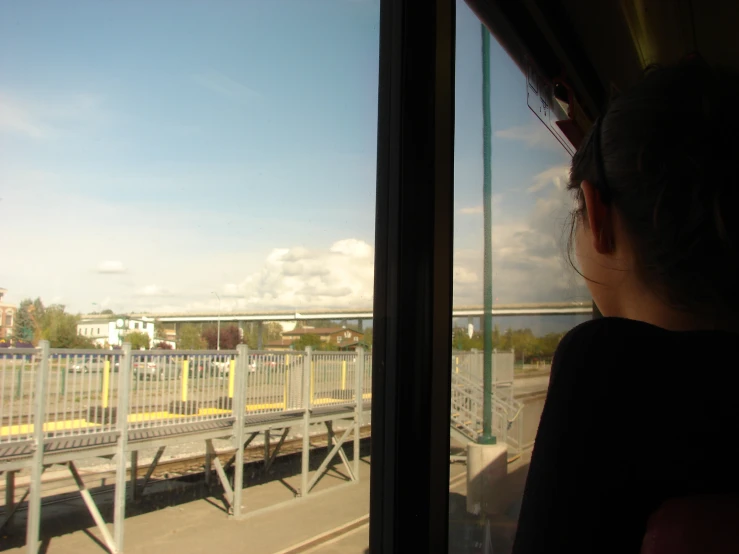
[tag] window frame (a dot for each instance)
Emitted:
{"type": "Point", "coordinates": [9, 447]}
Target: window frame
{"type": "Point", "coordinates": [411, 381]}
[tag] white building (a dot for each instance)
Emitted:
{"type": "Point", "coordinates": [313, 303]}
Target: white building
{"type": "Point", "coordinates": [111, 331]}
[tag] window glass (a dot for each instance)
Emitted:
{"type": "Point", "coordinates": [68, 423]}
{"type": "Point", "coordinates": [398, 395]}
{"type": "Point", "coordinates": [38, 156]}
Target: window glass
{"type": "Point", "coordinates": [204, 143]}
{"type": "Point", "coordinates": [529, 207]}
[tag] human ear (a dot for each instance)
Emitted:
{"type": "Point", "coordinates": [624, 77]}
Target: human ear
{"type": "Point", "coordinates": [599, 219]}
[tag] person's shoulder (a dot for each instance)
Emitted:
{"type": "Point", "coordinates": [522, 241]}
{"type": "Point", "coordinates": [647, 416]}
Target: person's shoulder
{"type": "Point", "coordinates": [599, 341]}
{"type": "Point", "coordinates": [590, 334]}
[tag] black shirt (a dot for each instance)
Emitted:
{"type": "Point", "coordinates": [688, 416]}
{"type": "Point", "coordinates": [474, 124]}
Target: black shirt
{"type": "Point", "coordinates": [634, 415]}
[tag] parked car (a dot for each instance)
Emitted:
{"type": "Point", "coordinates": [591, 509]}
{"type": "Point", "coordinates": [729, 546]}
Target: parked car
{"type": "Point", "coordinates": [201, 368]}
{"type": "Point", "coordinates": [262, 361]}
{"type": "Point", "coordinates": [145, 370]}
{"type": "Point", "coordinates": [156, 368]}
{"type": "Point", "coordinates": [222, 368]}
{"type": "Point", "coordinates": [82, 367]}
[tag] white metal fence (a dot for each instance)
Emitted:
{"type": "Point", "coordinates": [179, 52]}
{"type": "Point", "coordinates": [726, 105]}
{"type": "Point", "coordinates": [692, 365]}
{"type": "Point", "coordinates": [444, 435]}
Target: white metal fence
{"type": "Point", "coordinates": [470, 364]}
{"type": "Point", "coordinates": [171, 387]}
{"type": "Point", "coordinates": [167, 387]}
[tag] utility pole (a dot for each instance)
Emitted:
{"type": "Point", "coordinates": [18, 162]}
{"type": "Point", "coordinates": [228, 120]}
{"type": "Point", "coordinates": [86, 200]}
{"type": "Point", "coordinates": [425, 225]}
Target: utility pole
{"type": "Point", "coordinates": [218, 331]}
{"type": "Point", "coordinates": [487, 436]}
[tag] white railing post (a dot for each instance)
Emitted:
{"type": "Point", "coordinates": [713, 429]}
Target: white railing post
{"type": "Point", "coordinates": [238, 406]}
{"type": "Point", "coordinates": [358, 407]}
{"type": "Point", "coordinates": [39, 412]}
{"type": "Point", "coordinates": [124, 386]}
{"type": "Point", "coordinates": [306, 405]}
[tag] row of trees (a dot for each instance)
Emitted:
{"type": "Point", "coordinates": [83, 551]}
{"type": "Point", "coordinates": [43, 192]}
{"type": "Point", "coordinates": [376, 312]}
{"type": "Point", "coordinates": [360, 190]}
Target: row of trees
{"type": "Point", "coordinates": [528, 346]}
{"type": "Point", "coordinates": [35, 322]}
{"type": "Point", "coordinates": [191, 336]}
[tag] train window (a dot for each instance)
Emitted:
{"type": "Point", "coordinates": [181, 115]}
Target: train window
{"type": "Point", "coordinates": [223, 155]}
{"type": "Point", "coordinates": [536, 296]}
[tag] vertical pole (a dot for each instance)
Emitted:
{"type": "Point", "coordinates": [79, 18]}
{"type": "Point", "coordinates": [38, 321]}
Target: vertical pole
{"type": "Point", "coordinates": [487, 436]}
{"type": "Point", "coordinates": [19, 380]}
{"type": "Point", "coordinates": [9, 491]}
{"type": "Point", "coordinates": [239, 408]}
{"type": "Point", "coordinates": [343, 375]}
{"type": "Point", "coordinates": [134, 475]}
{"type": "Point", "coordinates": [39, 411]}
{"type": "Point", "coordinates": [284, 394]}
{"type": "Point", "coordinates": [106, 381]}
{"type": "Point", "coordinates": [119, 507]}
{"type": "Point", "coordinates": [208, 469]}
{"type": "Point", "coordinates": [63, 379]}
{"type": "Point", "coordinates": [307, 397]}
{"type": "Point", "coordinates": [185, 378]}
{"type": "Point", "coordinates": [231, 377]}
{"type": "Point", "coordinates": [358, 406]}
{"type": "Point", "coordinates": [312, 380]}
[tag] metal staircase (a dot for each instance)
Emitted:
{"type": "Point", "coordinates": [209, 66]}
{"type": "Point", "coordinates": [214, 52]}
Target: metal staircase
{"type": "Point", "coordinates": [467, 412]}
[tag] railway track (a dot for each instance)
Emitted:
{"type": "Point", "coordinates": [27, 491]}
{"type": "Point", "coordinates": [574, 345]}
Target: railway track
{"type": "Point", "coordinates": [173, 469]}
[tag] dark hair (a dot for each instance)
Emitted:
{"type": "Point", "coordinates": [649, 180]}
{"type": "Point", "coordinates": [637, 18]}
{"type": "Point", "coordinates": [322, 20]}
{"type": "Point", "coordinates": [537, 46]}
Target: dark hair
{"type": "Point", "coordinates": [666, 158]}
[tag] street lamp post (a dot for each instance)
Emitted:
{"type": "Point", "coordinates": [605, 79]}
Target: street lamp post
{"type": "Point", "coordinates": [218, 339]}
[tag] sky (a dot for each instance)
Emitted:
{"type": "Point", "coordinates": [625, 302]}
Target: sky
{"type": "Point", "coordinates": [156, 155]}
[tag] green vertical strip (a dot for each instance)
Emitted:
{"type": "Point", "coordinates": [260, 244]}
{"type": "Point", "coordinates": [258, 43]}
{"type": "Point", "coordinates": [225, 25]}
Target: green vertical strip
{"type": "Point", "coordinates": [487, 194]}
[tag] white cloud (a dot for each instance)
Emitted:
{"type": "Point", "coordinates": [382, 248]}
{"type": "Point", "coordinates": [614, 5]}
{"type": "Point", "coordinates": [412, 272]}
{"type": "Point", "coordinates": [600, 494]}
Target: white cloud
{"type": "Point", "coordinates": [225, 86]}
{"type": "Point", "coordinates": [17, 118]}
{"type": "Point", "coordinates": [464, 276]}
{"type": "Point", "coordinates": [557, 175]}
{"type": "Point", "coordinates": [496, 200]}
{"type": "Point", "coordinates": [171, 265]}
{"type": "Point", "coordinates": [529, 261]}
{"type": "Point", "coordinates": [51, 117]}
{"type": "Point", "coordinates": [154, 290]}
{"type": "Point", "coordinates": [534, 134]}
{"type": "Point", "coordinates": [111, 266]}
{"type": "Point", "coordinates": [292, 278]}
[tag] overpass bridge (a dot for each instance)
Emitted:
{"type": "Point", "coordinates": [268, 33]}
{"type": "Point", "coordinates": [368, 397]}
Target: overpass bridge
{"type": "Point", "coordinates": [362, 313]}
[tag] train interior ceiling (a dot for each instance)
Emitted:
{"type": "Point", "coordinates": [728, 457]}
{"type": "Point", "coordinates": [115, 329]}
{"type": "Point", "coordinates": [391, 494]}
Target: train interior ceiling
{"type": "Point", "coordinates": [590, 50]}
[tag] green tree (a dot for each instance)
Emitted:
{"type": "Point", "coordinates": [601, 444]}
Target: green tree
{"type": "Point", "coordinates": [24, 327]}
{"type": "Point", "coordinates": [188, 337]}
{"type": "Point", "coordinates": [59, 327]}
{"type": "Point", "coordinates": [315, 342]}
{"type": "Point", "coordinates": [271, 331]}
{"type": "Point", "coordinates": [368, 337]}
{"type": "Point", "coordinates": [160, 331]}
{"type": "Point", "coordinates": [138, 340]}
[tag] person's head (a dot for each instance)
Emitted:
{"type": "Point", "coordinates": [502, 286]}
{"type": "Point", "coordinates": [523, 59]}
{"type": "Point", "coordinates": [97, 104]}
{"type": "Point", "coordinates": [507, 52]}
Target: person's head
{"type": "Point", "coordinates": [657, 187]}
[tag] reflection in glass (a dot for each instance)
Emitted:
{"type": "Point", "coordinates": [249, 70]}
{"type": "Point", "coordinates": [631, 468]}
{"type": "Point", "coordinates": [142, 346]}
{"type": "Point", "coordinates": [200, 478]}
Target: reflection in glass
{"type": "Point", "coordinates": [530, 277]}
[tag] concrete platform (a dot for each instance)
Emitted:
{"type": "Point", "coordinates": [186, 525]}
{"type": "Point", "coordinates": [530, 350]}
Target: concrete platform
{"type": "Point", "coordinates": [275, 522]}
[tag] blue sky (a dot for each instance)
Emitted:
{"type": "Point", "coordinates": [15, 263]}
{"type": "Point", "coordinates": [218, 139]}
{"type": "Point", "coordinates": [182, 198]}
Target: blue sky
{"type": "Point", "coordinates": [155, 152]}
